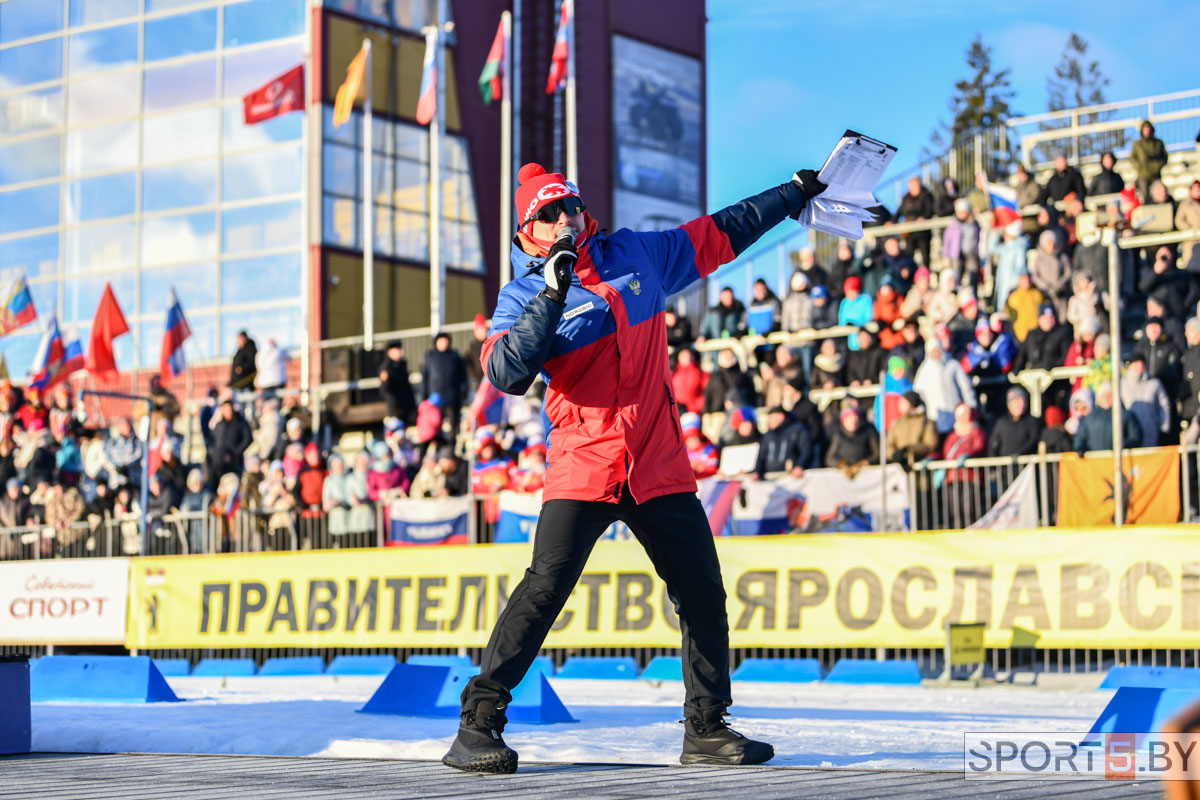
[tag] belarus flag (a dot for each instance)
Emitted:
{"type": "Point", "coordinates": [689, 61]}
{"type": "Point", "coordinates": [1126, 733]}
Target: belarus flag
{"type": "Point", "coordinates": [558, 60]}
{"type": "Point", "coordinates": [427, 102]}
{"type": "Point", "coordinates": [172, 361]}
{"type": "Point", "coordinates": [1004, 203]}
{"type": "Point", "coordinates": [490, 84]}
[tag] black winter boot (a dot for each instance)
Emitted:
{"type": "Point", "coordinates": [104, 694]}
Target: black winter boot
{"type": "Point", "coordinates": [479, 746]}
{"type": "Point", "coordinates": [708, 740]}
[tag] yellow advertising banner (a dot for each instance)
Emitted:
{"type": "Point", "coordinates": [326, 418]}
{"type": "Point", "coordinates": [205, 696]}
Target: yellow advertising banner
{"type": "Point", "coordinates": [1151, 491]}
{"type": "Point", "coordinates": [1132, 587]}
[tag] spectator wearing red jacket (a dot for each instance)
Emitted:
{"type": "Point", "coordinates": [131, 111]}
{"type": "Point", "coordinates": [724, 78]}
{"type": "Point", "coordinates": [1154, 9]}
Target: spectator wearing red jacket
{"type": "Point", "coordinates": [688, 381]}
{"type": "Point", "coordinates": [701, 453]}
{"type": "Point", "coordinates": [312, 477]}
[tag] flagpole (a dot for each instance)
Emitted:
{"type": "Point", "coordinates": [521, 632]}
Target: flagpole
{"type": "Point", "coordinates": [515, 83]}
{"type": "Point", "coordinates": [306, 257]}
{"type": "Point", "coordinates": [437, 270]}
{"type": "Point", "coordinates": [572, 143]}
{"type": "Point", "coordinates": [506, 156]}
{"type": "Point", "coordinates": [368, 225]}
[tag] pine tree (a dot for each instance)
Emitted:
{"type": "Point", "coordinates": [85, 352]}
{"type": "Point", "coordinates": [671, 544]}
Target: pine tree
{"type": "Point", "coordinates": [1077, 82]}
{"type": "Point", "coordinates": [979, 103]}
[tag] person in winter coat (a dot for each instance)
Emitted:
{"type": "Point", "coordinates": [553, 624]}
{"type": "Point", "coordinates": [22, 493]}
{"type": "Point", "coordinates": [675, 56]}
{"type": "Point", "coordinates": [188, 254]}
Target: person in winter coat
{"type": "Point", "coordinates": [960, 494]}
{"type": "Point", "coordinates": [1085, 300]}
{"type": "Point", "coordinates": [243, 370]}
{"type": "Point", "coordinates": [797, 306]}
{"type": "Point", "coordinates": [866, 362]}
{"type": "Point", "coordinates": [1146, 400]}
{"type": "Point", "coordinates": [1189, 386]}
{"type": "Point", "coordinates": [806, 263]}
{"type": "Point", "coordinates": [1187, 218]}
{"type": "Point", "coordinates": [824, 312]}
{"type": "Point", "coordinates": [703, 457]}
{"type": "Point", "coordinates": [1083, 349]}
{"type": "Point", "coordinates": [1148, 157]}
{"type": "Point", "coordinates": [395, 385]}
{"type": "Point", "coordinates": [829, 367]}
{"type": "Point", "coordinates": [845, 266]}
{"type": "Point", "coordinates": [1029, 193]}
{"type": "Point", "coordinates": [688, 381]}
{"type": "Point", "coordinates": [1107, 180]}
{"type": "Point", "coordinates": [1023, 306]}
{"type": "Point", "coordinates": [1100, 367]}
{"type": "Point", "coordinates": [762, 317]}
{"type": "Point", "coordinates": [679, 329]}
{"type": "Point", "coordinates": [1175, 288]}
{"type": "Point", "coordinates": [386, 481]}
{"type": "Point", "coordinates": [961, 243]}
{"type": "Point", "coordinates": [311, 480]}
{"type": "Point", "coordinates": [785, 447]}
{"type": "Point", "coordinates": [1051, 272]}
{"type": "Point", "coordinates": [616, 448]}
{"type": "Point", "coordinates": [913, 436]}
{"type": "Point", "coordinates": [856, 308]}
{"type": "Point", "coordinates": [1083, 400]}
{"type": "Point", "coordinates": [1009, 246]}
{"type": "Point", "coordinates": [443, 475]}
{"type": "Point", "coordinates": [726, 319]}
{"type": "Point", "coordinates": [429, 419]}
{"type": "Point", "coordinates": [1095, 430]}
{"type": "Point", "coordinates": [444, 372]}
{"type": "Point", "coordinates": [1054, 434]}
{"type": "Point", "coordinates": [853, 444]}
{"type": "Point", "coordinates": [1162, 356]}
{"type": "Point", "coordinates": [918, 297]}
{"type": "Point", "coordinates": [726, 379]}
{"type": "Point", "coordinates": [1047, 345]}
{"type": "Point", "coordinates": [887, 312]}
{"type": "Point", "coordinates": [271, 364]}
{"type": "Point", "coordinates": [945, 195]}
{"type": "Point", "coordinates": [917, 206]}
{"type": "Point", "coordinates": [231, 437]}
{"type": "Point", "coordinates": [742, 428]}
{"type": "Point", "coordinates": [1066, 180]}
{"type": "Point", "coordinates": [1016, 433]}
{"type": "Point", "coordinates": [943, 386]}
{"type": "Point", "coordinates": [992, 351]}
{"type": "Point", "coordinates": [943, 303]}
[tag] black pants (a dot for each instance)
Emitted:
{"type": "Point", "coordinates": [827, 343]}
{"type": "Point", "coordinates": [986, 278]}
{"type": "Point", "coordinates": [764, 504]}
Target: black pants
{"type": "Point", "coordinates": [675, 533]}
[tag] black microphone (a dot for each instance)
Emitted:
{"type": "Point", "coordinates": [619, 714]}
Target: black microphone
{"type": "Point", "coordinates": [566, 233]}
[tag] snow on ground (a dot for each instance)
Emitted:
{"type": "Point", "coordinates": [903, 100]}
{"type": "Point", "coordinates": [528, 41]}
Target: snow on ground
{"type": "Point", "coordinates": [620, 721]}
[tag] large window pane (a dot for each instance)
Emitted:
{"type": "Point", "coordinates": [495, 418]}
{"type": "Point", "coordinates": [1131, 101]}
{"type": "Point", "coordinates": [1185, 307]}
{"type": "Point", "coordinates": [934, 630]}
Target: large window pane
{"type": "Point", "coordinates": [30, 63]}
{"type": "Point", "coordinates": [260, 279]}
{"type": "Point", "coordinates": [107, 48]}
{"type": "Point", "coordinates": [97, 247]}
{"type": "Point", "coordinates": [20, 19]}
{"type": "Point", "coordinates": [245, 72]}
{"type": "Point", "coordinates": [284, 325]}
{"type": "Point", "coordinates": [27, 209]}
{"type": "Point", "coordinates": [240, 136]}
{"type": "Point", "coordinates": [181, 34]}
{"type": "Point", "coordinates": [340, 168]}
{"type": "Point", "coordinates": [81, 297]}
{"type": "Point", "coordinates": [182, 85]}
{"type": "Point", "coordinates": [91, 12]}
{"type": "Point", "coordinates": [412, 185]}
{"type": "Point", "coordinates": [105, 148]}
{"type": "Point", "coordinates": [259, 20]}
{"type": "Point", "coordinates": [195, 285]}
{"type": "Point", "coordinates": [97, 198]}
{"type": "Point", "coordinates": [339, 222]}
{"type": "Point", "coordinates": [383, 231]}
{"type": "Point", "coordinates": [187, 237]}
{"type": "Point", "coordinates": [30, 160]}
{"type": "Point", "coordinates": [412, 235]}
{"type": "Point", "coordinates": [412, 142]}
{"type": "Point", "coordinates": [36, 255]}
{"type": "Point", "coordinates": [261, 174]}
{"type": "Point", "coordinates": [187, 134]}
{"type": "Point", "coordinates": [45, 298]}
{"type": "Point", "coordinates": [31, 112]}
{"type": "Point", "coordinates": [261, 227]}
{"type": "Point", "coordinates": [347, 133]}
{"type": "Point", "coordinates": [104, 98]}
{"type": "Point", "coordinates": [157, 6]}
{"type": "Point", "coordinates": [179, 185]}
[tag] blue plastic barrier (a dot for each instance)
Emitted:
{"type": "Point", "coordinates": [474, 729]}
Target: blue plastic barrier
{"type": "Point", "coordinates": [544, 665]}
{"type": "Point", "coordinates": [612, 668]}
{"type": "Point", "coordinates": [224, 668]}
{"type": "Point", "coordinates": [664, 668]}
{"type": "Point", "coordinates": [434, 660]}
{"type": "Point", "coordinates": [1152, 678]}
{"type": "Point", "coordinates": [173, 667]}
{"type": "Point", "coordinates": [114, 679]}
{"type": "Point", "coordinates": [779, 670]}
{"type": "Point", "coordinates": [433, 691]}
{"type": "Point", "coordinates": [292, 666]}
{"type": "Point", "coordinates": [361, 665]}
{"type": "Point", "coordinates": [15, 715]}
{"type": "Point", "coordinates": [1141, 710]}
{"type": "Point", "coordinates": [862, 670]}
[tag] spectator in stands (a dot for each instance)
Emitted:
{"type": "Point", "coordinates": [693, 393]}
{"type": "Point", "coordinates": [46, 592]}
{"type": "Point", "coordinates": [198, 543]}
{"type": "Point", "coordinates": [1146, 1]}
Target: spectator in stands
{"type": "Point", "coordinates": [1046, 346]}
{"type": "Point", "coordinates": [444, 372]}
{"type": "Point", "coordinates": [68, 463]}
{"type": "Point", "coordinates": [1054, 434]}
{"type": "Point", "coordinates": [866, 362]}
{"type": "Point", "coordinates": [1148, 157]}
{"type": "Point", "coordinates": [8, 469]}
{"type": "Point", "coordinates": [294, 434]}
{"type": "Point", "coordinates": [852, 444]}
{"type": "Point", "coordinates": [965, 439]}
{"type": "Point", "coordinates": [1016, 433]}
{"type": "Point", "coordinates": [1066, 180]}
{"type": "Point", "coordinates": [918, 297]}
{"type": "Point", "coordinates": [742, 428]}
{"type": "Point", "coordinates": [1187, 218]}
{"type": "Point", "coordinates": [429, 419]}
{"type": "Point", "coordinates": [444, 476]}
{"type": "Point", "coordinates": [762, 317]}
{"type": "Point", "coordinates": [361, 516]}
{"type": "Point", "coordinates": [829, 368]}
{"type": "Point", "coordinates": [396, 436]}
{"type": "Point", "coordinates": [726, 319]}
{"type": "Point", "coordinates": [856, 308]}
{"type": "Point", "coordinates": [679, 329]}
{"type": "Point", "coordinates": [310, 483]}
{"type": "Point", "coordinates": [1083, 349]}
{"type": "Point", "coordinates": [386, 481]}
{"type": "Point", "coordinates": [1160, 196]}
{"type": "Point", "coordinates": [943, 386]}
{"type": "Point", "coordinates": [945, 195]}
{"type": "Point", "coordinates": [961, 328]}
{"type": "Point", "coordinates": [1051, 272]}
{"type": "Point", "coordinates": [992, 351]}
{"type": "Point", "coordinates": [1107, 180]}
{"type": "Point", "coordinates": [1086, 300]}
{"type": "Point", "coordinates": [231, 437]}
{"type": "Point", "coordinates": [785, 447]}
{"type": "Point", "coordinates": [1024, 305]}
{"type": "Point", "coordinates": [1009, 247]}
{"type": "Point", "coordinates": [807, 264]}
{"type": "Point", "coordinates": [1190, 367]}
{"type": "Point", "coordinates": [961, 243]}
{"type": "Point", "coordinates": [703, 456]}
{"type": "Point", "coordinates": [1028, 191]}
{"type": "Point", "coordinates": [335, 496]}
{"type": "Point", "coordinates": [33, 415]}
{"type": "Point", "coordinates": [171, 471]}
{"type": "Point", "coordinates": [688, 380]}
{"type": "Point", "coordinates": [195, 501]}
{"type": "Point", "coordinates": [395, 386]}
{"type": "Point", "coordinates": [530, 474]}
{"type": "Point", "coordinates": [895, 266]}
{"type": "Point", "coordinates": [124, 452]}
{"type": "Point", "coordinates": [1162, 356]}
{"type": "Point", "coordinates": [161, 500]}
{"type": "Point", "coordinates": [797, 306]}
{"type": "Point", "coordinates": [1145, 399]}
{"type": "Point", "coordinates": [243, 371]}
{"type": "Point", "coordinates": [917, 206]}
{"type": "Point", "coordinates": [913, 436]}
{"type": "Point", "coordinates": [842, 268]}
{"type": "Point", "coordinates": [911, 346]}
{"type": "Point", "coordinates": [727, 379]}
{"type": "Point", "coordinates": [1176, 287]}
{"type": "Point", "coordinates": [271, 365]}
{"type": "Point", "coordinates": [15, 508]}
{"type": "Point", "coordinates": [163, 404]}
{"type": "Point", "coordinates": [887, 313]}
{"type": "Point", "coordinates": [943, 304]}
{"type": "Point", "coordinates": [777, 374]}
{"type": "Point", "coordinates": [493, 467]}
{"type": "Point", "coordinates": [1100, 367]}
{"type": "Point", "coordinates": [472, 359]}
{"type": "Point", "coordinates": [824, 312]}
{"type": "Point", "coordinates": [1095, 429]}
{"type": "Point", "coordinates": [1083, 400]}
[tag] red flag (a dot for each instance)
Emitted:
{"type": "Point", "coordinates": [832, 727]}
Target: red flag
{"type": "Point", "coordinates": [284, 94]}
{"type": "Point", "coordinates": [558, 57]}
{"type": "Point", "coordinates": [108, 325]}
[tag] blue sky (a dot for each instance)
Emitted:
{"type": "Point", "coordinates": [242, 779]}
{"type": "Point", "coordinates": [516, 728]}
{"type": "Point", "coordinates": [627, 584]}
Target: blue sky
{"type": "Point", "coordinates": [787, 77]}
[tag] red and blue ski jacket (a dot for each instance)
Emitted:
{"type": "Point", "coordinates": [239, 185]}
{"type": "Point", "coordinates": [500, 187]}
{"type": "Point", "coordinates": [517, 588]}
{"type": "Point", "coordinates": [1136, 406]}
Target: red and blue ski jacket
{"type": "Point", "coordinates": [603, 354]}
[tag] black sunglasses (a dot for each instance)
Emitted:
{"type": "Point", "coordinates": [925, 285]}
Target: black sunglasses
{"type": "Point", "coordinates": [571, 205]}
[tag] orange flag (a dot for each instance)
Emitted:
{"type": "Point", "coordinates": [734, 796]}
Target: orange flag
{"type": "Point", "coordinates": [1151, 492]}
{"type": "Point", "coordinates": [351, 88]}
{"type": "Point", "coordinates": [108, 325]}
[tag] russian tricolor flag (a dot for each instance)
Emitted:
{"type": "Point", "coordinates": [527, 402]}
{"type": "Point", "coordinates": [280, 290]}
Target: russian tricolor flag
{"type": "Point", "coordinates": [56, 358]}
{"type": "Point", "coordinates": [172, 361]}
{"type": "Point", "coordinates": [18, 307]}
{"type": "Point", "coordinates": [557, 78]}
{"type": "Point", "coordinates": [427, 102]}
{"type": "Point", "coordinates": [1004, 203]}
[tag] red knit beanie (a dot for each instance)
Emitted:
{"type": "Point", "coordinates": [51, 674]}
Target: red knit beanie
{"type": "Point", "coordinates": [537, 188]}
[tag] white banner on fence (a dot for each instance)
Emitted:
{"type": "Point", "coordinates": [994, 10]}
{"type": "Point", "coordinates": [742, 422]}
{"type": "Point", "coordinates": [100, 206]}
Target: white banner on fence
{"type": "Point", "coordinates": [1016, 508]}
{"type": "Point", "coordinates": [64, 601]}
{"type": "Point", "coordinates": [835, 501]}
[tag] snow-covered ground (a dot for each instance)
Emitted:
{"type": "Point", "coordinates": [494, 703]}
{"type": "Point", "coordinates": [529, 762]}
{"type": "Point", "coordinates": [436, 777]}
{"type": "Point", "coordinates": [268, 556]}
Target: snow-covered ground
{"type": "Point", "coordinates": [620, 722]}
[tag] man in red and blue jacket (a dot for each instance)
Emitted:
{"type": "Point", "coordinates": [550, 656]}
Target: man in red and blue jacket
{"type": "Point", "coordinates": [585, 311]}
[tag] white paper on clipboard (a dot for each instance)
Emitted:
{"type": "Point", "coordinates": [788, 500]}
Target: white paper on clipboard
{"type": "Point", "coordinates": [851, 173]}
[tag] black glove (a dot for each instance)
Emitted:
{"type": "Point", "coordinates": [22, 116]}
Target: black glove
{"type": "Point", "coordinates": [560, 263]}
{"type": "Point", "coordinates": [809, 185]}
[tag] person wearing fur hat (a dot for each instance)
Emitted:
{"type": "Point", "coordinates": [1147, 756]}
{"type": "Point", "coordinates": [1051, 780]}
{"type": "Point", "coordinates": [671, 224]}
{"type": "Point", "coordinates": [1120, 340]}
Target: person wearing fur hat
{"type": "Point", "coordinates": [586, 310]}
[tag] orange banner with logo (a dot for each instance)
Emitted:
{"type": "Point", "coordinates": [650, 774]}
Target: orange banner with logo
{"type": "Point", "coordinates": [1151, 490]}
